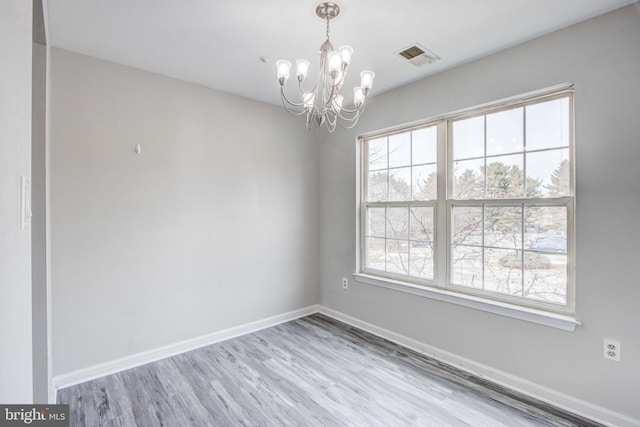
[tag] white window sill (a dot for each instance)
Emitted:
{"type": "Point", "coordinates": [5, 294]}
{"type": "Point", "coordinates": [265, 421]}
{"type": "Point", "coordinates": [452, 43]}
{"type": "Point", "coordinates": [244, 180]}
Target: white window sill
{"type": "Point", "coordinates": [541, 317]}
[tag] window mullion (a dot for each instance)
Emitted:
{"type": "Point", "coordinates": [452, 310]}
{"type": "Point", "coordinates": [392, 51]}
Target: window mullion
{"type": "Point", "coordinates": [386, 221]}
{"type": "Point", "coordinates": [524, 156]}
{"type": "Point", "coordinates": [388, 175]}
{"type": "Point", "coordinates": [409, 239]}
{"type": "Point", "coordinates": [483, 228]}
{"type": "Point", "coordinates": [522, 254]}
{"type": "Point", "coordinates": [484, 164]}
{"type": "Point", "coordinates": [441, 214]}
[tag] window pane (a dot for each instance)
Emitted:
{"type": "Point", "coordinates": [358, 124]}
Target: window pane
{"type": "Point", "coordinates": [504, 177]}
{"type": "Point", "coordinates": [503, 272]}
{"type": "Point", "coordinates": [550, 169]}
{"type": "Point", "coordinates": [421, 224]}
{"type": "Point", "coordinates": [377, 155]}
{"type": "Point", "coordinates": [503, 226]}
{"type": "Point", "coordinates": [546, 279]}
{"type": "Point", "coordinates": [546, 228]}
{"type": "Point", "coordinates": [466, 266]}
{"type": "Point", "coordinates": [421, 260]}
{"type": "Point", "coordinates": [377, 188]}
{"type": "Point", "coordinates": [375, 254]}
{"type": "Point", "coordinates": [504, 132]}
{"type": "Point", "coordinates": [467, 225]}
{"type": "Point", "coordinates": [400, 150]}
{"type": "Point", "coordinates": [549, 244]}
{"type": "Point", "coordinates": [423, 148]}
{"type": "Point", "coordinates": [398, 256]}
{"type": "Point", "coordinates": [421, 235]}
{"type": "Point", "coordinates": [424, 182]}
{"type": "Point", "coordinates": [375, 222]}
{"type": "Point", "coordinates": [398, 223]}
{"type": "Point", "coordinates": [468, 179]}
{"type": "Point", "coordinates": [548, 124]}
{"type": "Point", "coordinates": [468, 138]}
{"type": "Point", "coordinates": [400, 184]}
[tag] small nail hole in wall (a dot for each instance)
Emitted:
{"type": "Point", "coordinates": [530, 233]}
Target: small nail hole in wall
{"type": "Point", "coordinates": [138, 149]}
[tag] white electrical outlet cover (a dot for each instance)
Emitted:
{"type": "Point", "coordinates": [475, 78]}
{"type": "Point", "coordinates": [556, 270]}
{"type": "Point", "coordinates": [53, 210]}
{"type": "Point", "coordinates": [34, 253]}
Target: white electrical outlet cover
{"type": "Point", "coordinates": [611, 349]}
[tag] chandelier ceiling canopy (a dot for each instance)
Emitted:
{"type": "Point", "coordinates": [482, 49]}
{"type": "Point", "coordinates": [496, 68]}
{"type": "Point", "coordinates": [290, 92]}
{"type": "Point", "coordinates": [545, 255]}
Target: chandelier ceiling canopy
{"type": "Point", "coordinates": [321, 102]}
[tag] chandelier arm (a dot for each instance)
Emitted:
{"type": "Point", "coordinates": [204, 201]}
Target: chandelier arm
{"type": "Point", "coordinates": [286, 103]}
{"type": "Point", "coordinates": [328, 101]}
{"type": "Point", "coordinates": [313, 89]}
{"type": "Point", "coordinates": [342, 120]}
{"type": "Point", "coordinates": [343, 76]}
{"type": "Point", "coordinates": [332, 126]}
{"type": "Point", "coordinates": [347, 124]}
{"type": "Point", "coordinates": [295, 104]}
{"type": "Point", "coordinates": [284, 97]}
{"type": "Point", "coordinates": [335, 118]}
{"type": "Point", "coordinates": [311, 115]}
{"type": "Point", "coordinates": [331, 118]}
{"type": "Point", "coordinates": [351, 125]}
{"type": "Point", "coordinates": [352, 121]}
{"type": "Point", "coordinates": [357, 110]}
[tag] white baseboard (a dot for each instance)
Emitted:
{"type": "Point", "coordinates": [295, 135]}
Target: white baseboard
{"type": "Point", "coordinates": [86, 374]}
{"type": "Point", "coordinates": [536, 391]}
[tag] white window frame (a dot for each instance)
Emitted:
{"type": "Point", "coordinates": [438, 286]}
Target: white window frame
{"type": "Point", "coordinates": [440, 288]}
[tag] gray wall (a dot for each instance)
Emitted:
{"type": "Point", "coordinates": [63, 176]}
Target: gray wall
{"type": "Point", "coordinates": [602, 57]}
{"type": "Point", "coordinates": [15, 161]}
{"type": "Point", "coordinates": [213, 225]}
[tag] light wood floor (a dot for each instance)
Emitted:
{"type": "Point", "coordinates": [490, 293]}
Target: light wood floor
{"type": "Point", "coordinates": [313, 371]}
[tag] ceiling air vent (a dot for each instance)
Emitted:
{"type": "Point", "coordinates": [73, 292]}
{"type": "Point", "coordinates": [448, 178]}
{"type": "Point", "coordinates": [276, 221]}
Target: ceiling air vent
{"type": "Point", "coordinates": [418, 55]}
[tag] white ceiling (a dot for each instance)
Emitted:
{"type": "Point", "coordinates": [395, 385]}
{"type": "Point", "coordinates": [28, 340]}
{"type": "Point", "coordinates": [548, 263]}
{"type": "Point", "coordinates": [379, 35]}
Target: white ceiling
{"type": "Point", "coordinates": [218, 43]}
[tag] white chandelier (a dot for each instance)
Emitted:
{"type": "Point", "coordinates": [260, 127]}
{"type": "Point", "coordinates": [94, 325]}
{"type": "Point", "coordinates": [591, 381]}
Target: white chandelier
{"type": "Point", "coordinates": [323, 103]}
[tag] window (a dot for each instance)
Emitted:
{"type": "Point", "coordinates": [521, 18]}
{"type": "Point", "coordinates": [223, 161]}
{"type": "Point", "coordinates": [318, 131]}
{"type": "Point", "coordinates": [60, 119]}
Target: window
{"type": "Point", "coordinates": [400, 202]}
{"type": "Point", "coordinates": [478, 202]}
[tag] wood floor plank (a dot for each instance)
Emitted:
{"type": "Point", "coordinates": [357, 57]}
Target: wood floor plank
{"type": "Point", "coordinates": [314, 371]}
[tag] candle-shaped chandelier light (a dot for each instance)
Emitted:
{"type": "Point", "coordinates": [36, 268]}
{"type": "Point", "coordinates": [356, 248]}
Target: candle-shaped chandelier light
{"type": "Point", "coordinates": [322, 103]}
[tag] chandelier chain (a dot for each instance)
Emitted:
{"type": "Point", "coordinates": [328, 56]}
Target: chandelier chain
{"type": "Point", "coordinates": [328, 28]}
